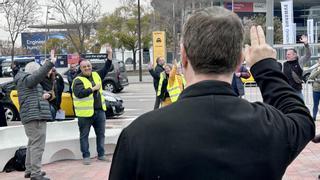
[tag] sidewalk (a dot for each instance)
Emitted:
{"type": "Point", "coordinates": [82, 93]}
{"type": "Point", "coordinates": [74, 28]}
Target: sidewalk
{"type": "Point", "coordinates": [306, 167]}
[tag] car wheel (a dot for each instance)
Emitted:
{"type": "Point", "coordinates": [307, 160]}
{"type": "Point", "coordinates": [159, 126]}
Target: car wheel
{"type": "Point", "coordinates": [109, 112]}
{"type": "Point", "coordinates": [109, 86]}
{"type": "Point", "coordinates": [10, 112]}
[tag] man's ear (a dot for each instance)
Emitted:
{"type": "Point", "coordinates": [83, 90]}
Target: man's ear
{"type": "Point", "coordinates": [184, 59]}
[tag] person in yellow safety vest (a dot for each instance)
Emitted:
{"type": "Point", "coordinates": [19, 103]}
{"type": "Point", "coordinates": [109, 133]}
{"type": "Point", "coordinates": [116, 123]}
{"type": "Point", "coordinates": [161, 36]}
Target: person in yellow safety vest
{"type": "Point", "coordinates": [89, 105]}
{"type": "Point", "coordinates": [171, 84]}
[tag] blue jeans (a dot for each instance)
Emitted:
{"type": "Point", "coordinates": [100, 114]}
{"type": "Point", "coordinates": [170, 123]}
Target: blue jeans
{"type": "Point", "coordinates": [98, 121]}
{"type": "Point", "coordinates": [316, 98]}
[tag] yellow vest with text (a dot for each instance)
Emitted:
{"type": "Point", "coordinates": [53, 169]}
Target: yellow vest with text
{"type": "Point", "coordinates": [174, 90]}
{"type": "Point", "coordinates": [84, 107]}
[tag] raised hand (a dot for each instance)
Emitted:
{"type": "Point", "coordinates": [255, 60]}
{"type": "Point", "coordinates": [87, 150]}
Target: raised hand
{"type": "Point", "coordinates": [304, 39]}
{"type": "Point", "coordinates": [109, 51]}
{"type": "Point", "coordinates": [259, 49]}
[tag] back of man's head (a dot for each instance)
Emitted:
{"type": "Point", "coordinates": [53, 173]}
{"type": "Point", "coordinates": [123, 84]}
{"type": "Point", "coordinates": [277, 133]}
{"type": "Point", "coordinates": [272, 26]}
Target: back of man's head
{"type": "Point", "coordinates": [31, 67]}
{"type": "Point", "coordinates": [213, 40]}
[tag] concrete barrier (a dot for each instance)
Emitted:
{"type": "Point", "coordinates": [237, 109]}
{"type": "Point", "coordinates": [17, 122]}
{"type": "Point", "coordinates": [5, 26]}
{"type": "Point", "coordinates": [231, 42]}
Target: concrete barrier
{"type": "Point", "coordinates": [62, 142]}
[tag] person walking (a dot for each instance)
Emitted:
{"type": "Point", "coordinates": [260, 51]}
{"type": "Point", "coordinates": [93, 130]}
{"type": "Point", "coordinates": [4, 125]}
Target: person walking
{"type": "Point", "coordinates": [90, 106]}
{"type": "Point", "coordinates": [293, 67]}
{"type": "Point", "coordinates": [315, 76]}
{"type": "Point", "coordinates": [155, 73]}
{"type": "Point", "coordinates": [210, 133]}
{"type": "Point", "coordinates": [34, 114]}
{"type": "Point", "coordinates": [237, 85]}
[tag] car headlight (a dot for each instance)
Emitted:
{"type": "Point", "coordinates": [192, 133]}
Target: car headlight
{"type": "Point", "coordinates": [110, 98]}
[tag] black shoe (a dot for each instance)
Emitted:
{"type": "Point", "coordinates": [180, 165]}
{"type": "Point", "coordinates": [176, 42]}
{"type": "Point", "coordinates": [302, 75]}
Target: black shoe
{"type": "Point", "coordinates": [28, 175]}
{"type": "Point", "coordinates": [40, 178]}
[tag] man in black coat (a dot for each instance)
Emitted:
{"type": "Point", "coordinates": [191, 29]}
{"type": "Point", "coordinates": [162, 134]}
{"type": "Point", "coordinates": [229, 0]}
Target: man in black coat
{"type": "Point", "coordinates": [155, 73]}
{"type": "Point", "coordinates": [293, 67]}
{"type": "Point", "coordinates": [210, 133]}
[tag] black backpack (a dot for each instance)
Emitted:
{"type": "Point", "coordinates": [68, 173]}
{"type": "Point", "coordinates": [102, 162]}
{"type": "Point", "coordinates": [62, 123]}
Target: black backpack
{"type": "Point", "coordinates": [17, 162]}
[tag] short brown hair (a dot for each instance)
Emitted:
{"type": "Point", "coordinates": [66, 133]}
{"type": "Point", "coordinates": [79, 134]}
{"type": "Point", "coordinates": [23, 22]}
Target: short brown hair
{"type": "Point", "coordinates": [213, 40]}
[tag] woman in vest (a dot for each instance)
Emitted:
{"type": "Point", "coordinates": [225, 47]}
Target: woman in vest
{"type": "Point", "coordinates": [171, 84]}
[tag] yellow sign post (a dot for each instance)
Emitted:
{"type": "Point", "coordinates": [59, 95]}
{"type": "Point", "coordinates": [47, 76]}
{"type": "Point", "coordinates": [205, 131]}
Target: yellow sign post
{"type": "Point", "coordinates": [159, 45]}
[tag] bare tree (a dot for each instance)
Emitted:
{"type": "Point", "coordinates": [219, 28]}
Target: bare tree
{"type": "Point", "coordinates": [78, 16]}
{"type": "Point", "coordinates": [19, 14]}
{"type": "Point", "coordinates": [5, 48]}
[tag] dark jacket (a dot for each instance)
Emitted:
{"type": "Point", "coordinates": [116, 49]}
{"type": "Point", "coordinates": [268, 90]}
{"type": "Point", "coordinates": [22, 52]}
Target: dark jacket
{"type": "Point", "coordinates": [32, 105]}
{"type": "Point", "coordinates": [58, 83]}
{"type": "Point", "coordinates": [71, 75]}
{"type": "Point", "coordinates": [155, 73]}
{"type": "Point", "coordinates": [210, 133]}
{"type": "Point", "coordinates": [237, 84]}
{"type": "Point", "coordinates": [294, 69]}
{"type": "Point", "coordinates": [80, 92]}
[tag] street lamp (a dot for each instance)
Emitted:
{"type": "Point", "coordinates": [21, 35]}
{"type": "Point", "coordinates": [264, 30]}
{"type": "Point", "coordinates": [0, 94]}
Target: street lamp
{"type": "Point", "coordinates": [139, 42]}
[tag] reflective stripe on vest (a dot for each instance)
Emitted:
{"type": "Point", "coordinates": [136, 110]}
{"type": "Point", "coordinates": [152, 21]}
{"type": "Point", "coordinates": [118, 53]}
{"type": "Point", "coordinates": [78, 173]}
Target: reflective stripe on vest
{"type": "Point", "coordinates": [84, 107]}
{"type": "Point", "coordinates": [162, 77]}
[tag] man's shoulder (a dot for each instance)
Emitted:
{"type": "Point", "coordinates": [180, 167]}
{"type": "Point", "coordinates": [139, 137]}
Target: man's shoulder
{"type": "Point", "coordinates": [152, 119]}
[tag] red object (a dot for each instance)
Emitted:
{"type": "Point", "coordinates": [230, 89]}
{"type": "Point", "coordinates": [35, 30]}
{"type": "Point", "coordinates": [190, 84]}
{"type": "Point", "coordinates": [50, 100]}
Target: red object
{"type": "Point", "coordinates": [240, 6]}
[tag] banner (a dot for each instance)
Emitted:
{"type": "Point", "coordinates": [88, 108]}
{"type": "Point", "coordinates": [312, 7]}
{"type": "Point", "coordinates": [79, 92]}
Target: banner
{"type": "Point", "coordinates": [310, 30]}
{"type": "Point", "coordinates": [159, 45]}
{"type": "Point", "coordinates": [287, 21]}
{"type": "Point", "coordinates": [239, 6]}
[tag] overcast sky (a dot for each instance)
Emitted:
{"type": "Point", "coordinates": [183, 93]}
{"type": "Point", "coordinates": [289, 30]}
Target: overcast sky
{"type": "Point", "coordinates": [107, 6]}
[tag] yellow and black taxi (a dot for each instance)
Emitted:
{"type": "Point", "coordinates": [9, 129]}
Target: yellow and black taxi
{"type": "Point", "coordinates": [114, 103]}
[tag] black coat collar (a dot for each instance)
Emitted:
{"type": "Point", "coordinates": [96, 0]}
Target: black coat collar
{"type": "Point", "coordinates": [207, 87]}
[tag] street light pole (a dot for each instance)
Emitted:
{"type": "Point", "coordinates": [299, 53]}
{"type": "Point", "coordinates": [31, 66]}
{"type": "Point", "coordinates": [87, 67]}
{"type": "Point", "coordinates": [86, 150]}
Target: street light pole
{"type": "Point", "coordinates": [139, 42]}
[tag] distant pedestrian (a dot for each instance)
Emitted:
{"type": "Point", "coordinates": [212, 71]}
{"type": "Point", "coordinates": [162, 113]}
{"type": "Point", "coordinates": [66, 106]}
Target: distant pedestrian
{"type": "Point", "coordinates": [315, 76]}
{"type": "Point", "coordinates": [15, 68]}
{"type": "Point", "coordinates": [293, 67]}
{"type": "Point", "coordinates": [171, 84]}
{"type": "Point", "coordinates": [72, 73]}
{"type": "Point", "coordinates": [155, 73]}
{"type": "Point", "coordinates": [53, 84]}
{"type": "Point", "coordinates": [90, 106]}
{"type": "Point", "coordinates": [34, 114]}
{"type": "Point", "coordinates": [210, 133]}
{"type": "Point", "coordinates": [237, 84]}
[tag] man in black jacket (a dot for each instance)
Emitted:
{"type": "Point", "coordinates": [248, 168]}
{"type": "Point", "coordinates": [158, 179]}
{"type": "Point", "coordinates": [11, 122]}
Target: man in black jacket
{"type": "Point", "coordinates": [293, 67]}
{"type": "Point", "coordinates": [155, 73]}
{"type": "Point", "coordinates": [210, 133]}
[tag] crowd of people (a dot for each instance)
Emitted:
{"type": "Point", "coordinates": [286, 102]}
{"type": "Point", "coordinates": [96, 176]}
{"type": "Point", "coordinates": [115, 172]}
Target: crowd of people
{"type": "Point", "coordinates": [39, 92]}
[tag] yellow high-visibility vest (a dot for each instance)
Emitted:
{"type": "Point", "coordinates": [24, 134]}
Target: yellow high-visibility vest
{"type": "Point", "coordinates": [174, 90]}
{"type": "Point", "coordinates": [84, 107]}
{"type": "Point", "coordinates": [162, 77]}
